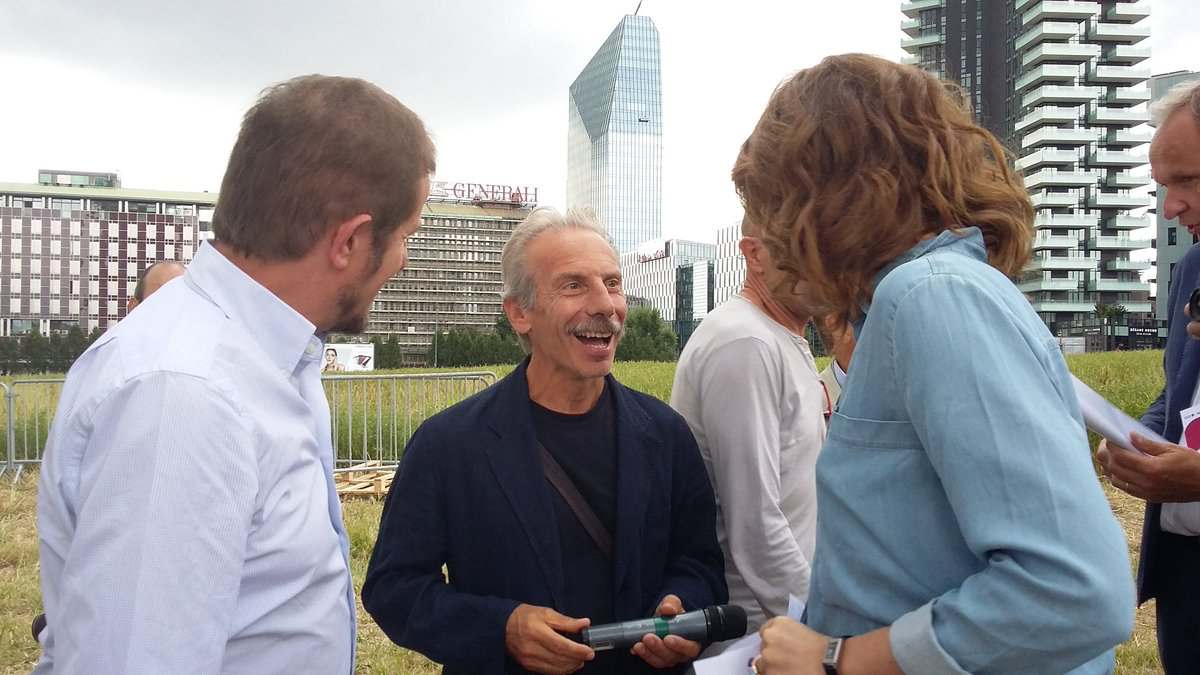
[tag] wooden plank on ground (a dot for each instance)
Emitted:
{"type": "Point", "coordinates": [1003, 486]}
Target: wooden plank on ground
{"type": "Point", "coordinates": [368, 479]}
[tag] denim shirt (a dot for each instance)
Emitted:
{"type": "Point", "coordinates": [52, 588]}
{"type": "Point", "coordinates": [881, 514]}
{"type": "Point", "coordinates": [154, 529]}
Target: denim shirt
{"type": "Point", "coordinates": [957, 501]}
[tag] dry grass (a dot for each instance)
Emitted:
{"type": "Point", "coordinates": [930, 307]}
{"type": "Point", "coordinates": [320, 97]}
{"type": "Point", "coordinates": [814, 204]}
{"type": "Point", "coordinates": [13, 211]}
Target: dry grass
{"type": "Point", "coordinates": [1131, 380]}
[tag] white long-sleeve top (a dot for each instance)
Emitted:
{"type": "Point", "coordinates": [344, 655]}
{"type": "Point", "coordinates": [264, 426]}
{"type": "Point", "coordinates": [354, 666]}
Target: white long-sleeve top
{"type": "Point", "coordinates": [752, 396]}
{"type": "Point", "coordinates": [186, 508]}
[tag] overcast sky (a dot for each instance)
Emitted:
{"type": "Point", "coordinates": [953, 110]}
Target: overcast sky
{"type": "Point", "coordinates": [155, 89]}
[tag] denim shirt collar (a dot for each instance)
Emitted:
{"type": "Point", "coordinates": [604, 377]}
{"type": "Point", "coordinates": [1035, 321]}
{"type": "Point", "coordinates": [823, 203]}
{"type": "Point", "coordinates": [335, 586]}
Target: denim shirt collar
{"type": "Point", "coordinates": [965, 240]}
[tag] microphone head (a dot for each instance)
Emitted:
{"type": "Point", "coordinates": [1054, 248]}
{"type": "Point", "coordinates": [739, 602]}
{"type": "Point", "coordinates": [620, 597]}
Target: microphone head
{"type": "Point", "coordinates": [725, 622]}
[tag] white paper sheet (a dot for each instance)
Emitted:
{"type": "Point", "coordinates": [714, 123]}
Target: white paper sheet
{"type": "Point", "coordinates": [735, 660]}
{"type": "Point", "coordinates": [1108, 420]}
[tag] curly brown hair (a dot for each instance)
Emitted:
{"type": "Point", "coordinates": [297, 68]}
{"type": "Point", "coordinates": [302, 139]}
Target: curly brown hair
{"type": "Point", "coordinates": [857, 159]}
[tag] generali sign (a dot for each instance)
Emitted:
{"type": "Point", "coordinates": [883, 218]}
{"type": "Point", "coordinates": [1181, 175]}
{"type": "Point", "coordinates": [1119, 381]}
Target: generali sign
{"type": "Point", "coordinates": [483, 192]}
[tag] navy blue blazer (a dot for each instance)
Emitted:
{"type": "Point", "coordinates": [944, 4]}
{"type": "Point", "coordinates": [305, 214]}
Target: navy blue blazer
{"type": "Point", "coordinates": [1181, 365]}
{"type": "Point", "coordinates": [470, 494]}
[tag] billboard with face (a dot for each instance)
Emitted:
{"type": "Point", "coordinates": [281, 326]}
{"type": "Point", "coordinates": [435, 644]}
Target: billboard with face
{"type": "Point", "coordinates": [344, 358]}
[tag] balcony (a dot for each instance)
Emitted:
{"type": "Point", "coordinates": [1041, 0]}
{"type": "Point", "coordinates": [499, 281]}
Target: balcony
{"type": "Point", "coordinates": [1118, 74]}
{"type": "Point", "coordinates": [1047, 156]}
{"type": "Point", "coordinates": [1126, 53]}
{"type": "Point", "coordinates": [910, 59]}
{"type": "Point", "coordinates": [1118, 116]}
{"type": "Point", "coordinates": [911, 27]}
{"type": "Point", "coordinates": [1117, 158]}
{"type": "Point", "coordinates": [1117, 243]}
{"type": "Point", "coordinates": [1068, 262]}
{"type": "Point", "coordinates": [1137, 307]}
{"type": "Point", "coordinates": [1050, 30]}
{"type": "Point", "coordinates": [1047, 73]}
{"type": "Point", "coordinates": [1054, 241]}
{"type": "Point", "coordinates": [1126, 179]}
{"type": "Point", "coordinates": [1062, 306]}
{"type": "Point", "coordinates": [1128, 12]}
{"type": "Point", "coordinates": [1061, 94]}
{"type": "Point", "coordinates": [1060, 52]}
{"type": "Point", "coordinates": [1128, 265]}
{"type": "Point", "coordinates": [1067, 221]}
{"type": "Point", "coordinates": [1116, 200]}
{"type": "Point", "coordinates": [1048, 285]}
{"type": "Point", "coordinates": [1116, 286]}
{"type": "Point", "coordinates": [912, 44]}
{"type": "Point", "coordinates": [1054, 200]}
{"type": "Point", "coordinates": [1129, 137]}
{"type": "Point", "coordinates": [1055, 178]}
{"type": "Point", "coordinates": [1020, 5]}
{"type": "Point", "coordinates": [913, 9]}
{"type": "Point", "coordinates": [1047, 115]}
{"type": "Point", "coordinates": [1061, 136]}
{"type": "Point", "coordinates": [1119, 32]}
{"type": "Point", "coordinates": [1131, 95]}
{"type": "Point", "coordinates": [1126, 222]}
{"type": "Point", "coordinates": [1061, 9]}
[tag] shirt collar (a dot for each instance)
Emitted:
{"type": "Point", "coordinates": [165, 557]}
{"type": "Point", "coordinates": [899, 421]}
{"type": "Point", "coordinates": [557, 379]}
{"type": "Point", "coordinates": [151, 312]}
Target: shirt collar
{"type": "Point", "coordinates": [283, 333]}
{"type": "Point", "coordinates": [965, 240]}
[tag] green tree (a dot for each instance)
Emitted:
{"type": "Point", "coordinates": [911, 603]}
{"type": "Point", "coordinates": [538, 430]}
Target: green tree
{"type": "Point", "coordinates": [35, 353]}
{"type": "Point", "coordinates": [647, 337]}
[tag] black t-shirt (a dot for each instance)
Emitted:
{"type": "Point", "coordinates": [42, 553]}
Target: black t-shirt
{"type": "Point", "coordinates": [586, 447]}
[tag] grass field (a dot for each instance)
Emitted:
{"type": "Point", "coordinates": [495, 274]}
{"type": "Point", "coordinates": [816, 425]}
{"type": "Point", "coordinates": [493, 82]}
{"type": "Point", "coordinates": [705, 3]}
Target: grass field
{"type": "Point", "coordinates": [1129, 379]}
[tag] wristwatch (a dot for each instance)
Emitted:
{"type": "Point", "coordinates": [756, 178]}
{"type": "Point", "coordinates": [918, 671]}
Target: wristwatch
{"type": "Point", "coordinates": [832, 651]}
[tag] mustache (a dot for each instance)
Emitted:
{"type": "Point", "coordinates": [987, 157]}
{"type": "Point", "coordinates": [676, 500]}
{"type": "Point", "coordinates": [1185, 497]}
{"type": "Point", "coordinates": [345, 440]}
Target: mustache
{"type": "Point", "coordinates": [599, 324]}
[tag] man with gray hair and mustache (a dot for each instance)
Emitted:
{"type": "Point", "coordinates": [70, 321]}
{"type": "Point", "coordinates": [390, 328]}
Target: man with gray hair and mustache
{"type": "Point", "coordinates": [556, 499]}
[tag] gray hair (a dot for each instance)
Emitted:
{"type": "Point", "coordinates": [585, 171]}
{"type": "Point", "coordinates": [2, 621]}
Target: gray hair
{"type": "Point", "coordinates": [1185, 95]}
{"type": "Point", "coordinates": [516, 278]}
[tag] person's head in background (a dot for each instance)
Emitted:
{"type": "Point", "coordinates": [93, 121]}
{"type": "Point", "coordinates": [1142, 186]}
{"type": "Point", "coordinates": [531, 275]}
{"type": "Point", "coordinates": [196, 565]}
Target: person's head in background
{"type": "Point", "coordinates": [152, 279]}
{"type": "Point", "coordinates": [1175, 161]}
{"type": "Point", "coordinates": [858, 159]}
{"type": "Point", "coordinates": [766, 285]}
{"type": "Point", "coordinates": [324, 186]}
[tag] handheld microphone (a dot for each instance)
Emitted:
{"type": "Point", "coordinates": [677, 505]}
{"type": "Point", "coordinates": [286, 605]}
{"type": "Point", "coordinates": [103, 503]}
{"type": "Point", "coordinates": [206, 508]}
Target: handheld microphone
{"type": "Point", "coordinates": [711, 624]}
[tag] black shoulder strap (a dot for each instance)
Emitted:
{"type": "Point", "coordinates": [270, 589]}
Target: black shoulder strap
{"type": "Point", "coordinates": [579, 506]}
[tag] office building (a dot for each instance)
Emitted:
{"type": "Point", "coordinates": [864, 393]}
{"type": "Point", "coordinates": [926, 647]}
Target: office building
{"type": "Point", "coordinates": [452, 279]}
{"type": "Point", "coordinates": [674, 276]}
{"type": "Point", "coordinates": [614, 135]}
{"type": "Point", "coordinates": [729, 265]}
{"type": "Point", "coordinates": [73, 244]}
{"type": "Point", "coordinates": [1172, 240]}
{"type": "Point", "coordinates": [1074, 112]}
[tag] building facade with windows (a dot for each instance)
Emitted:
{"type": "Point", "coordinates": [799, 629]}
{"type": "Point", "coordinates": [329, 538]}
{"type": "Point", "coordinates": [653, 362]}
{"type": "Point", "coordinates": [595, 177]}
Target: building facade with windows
{"type": "Point", "coordinates": [452, 278]}
{"type": "Point", "coordinates": [73, 244]}
{"type": "Point", "coordinates": [1172, 240]}
{"type": "Point", "coordinates": [729, 265]}
{"type": "Point", "coordinates": [1074, 114]}
{"type": "Point", "coordinates": [674, 276]}
{"type": "Point", "coordinates": [614, 135]}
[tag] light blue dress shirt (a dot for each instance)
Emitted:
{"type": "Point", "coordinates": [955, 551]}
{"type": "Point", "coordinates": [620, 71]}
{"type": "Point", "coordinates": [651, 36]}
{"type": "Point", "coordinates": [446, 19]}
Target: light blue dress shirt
{"type": "Point", "coordinates": [186, 507]}
{"type": "Point", "coordinates": [956, 496]}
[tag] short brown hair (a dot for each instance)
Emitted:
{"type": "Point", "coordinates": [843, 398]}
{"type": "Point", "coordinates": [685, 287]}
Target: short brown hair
{"type": "Point", "coordinates": [856, 159]}
{"type": "Point", "coordinates": [312, 152]}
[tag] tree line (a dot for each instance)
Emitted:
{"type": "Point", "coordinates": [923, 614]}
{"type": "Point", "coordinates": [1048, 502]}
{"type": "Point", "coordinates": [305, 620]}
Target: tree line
{"type": "Point", "coordinates": [647, 338]}
{"type": "Point", "coordinates": [36, 353]}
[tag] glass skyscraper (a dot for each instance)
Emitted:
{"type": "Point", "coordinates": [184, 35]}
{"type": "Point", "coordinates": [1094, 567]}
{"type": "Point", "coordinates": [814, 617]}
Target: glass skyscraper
{"type": "Point", "coordinates": [614, 135]}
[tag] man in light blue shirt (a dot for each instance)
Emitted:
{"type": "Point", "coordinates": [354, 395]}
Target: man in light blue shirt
{"type": "Point", "coordinates": [186, 509]}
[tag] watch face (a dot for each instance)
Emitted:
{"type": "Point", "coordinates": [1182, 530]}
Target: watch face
{"type": "Point", "coordinates": [832, 651]}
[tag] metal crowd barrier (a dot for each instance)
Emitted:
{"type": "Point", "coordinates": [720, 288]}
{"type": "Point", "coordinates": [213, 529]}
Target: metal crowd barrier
{"type": "Point", "coordinates": [372, 416]}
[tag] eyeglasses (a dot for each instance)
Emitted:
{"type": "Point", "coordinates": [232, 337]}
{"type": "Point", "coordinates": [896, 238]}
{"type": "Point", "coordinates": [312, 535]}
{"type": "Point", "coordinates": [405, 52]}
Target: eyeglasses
{"type": "Point", "coordinates": [829, 399]}
{"type": "Point", "coordinates": [1193, 306]}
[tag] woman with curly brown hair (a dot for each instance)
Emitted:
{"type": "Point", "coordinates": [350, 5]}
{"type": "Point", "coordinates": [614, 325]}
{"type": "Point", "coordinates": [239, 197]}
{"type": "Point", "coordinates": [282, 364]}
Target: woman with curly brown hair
{"type": "Point", "coordinates": [961, 526]}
